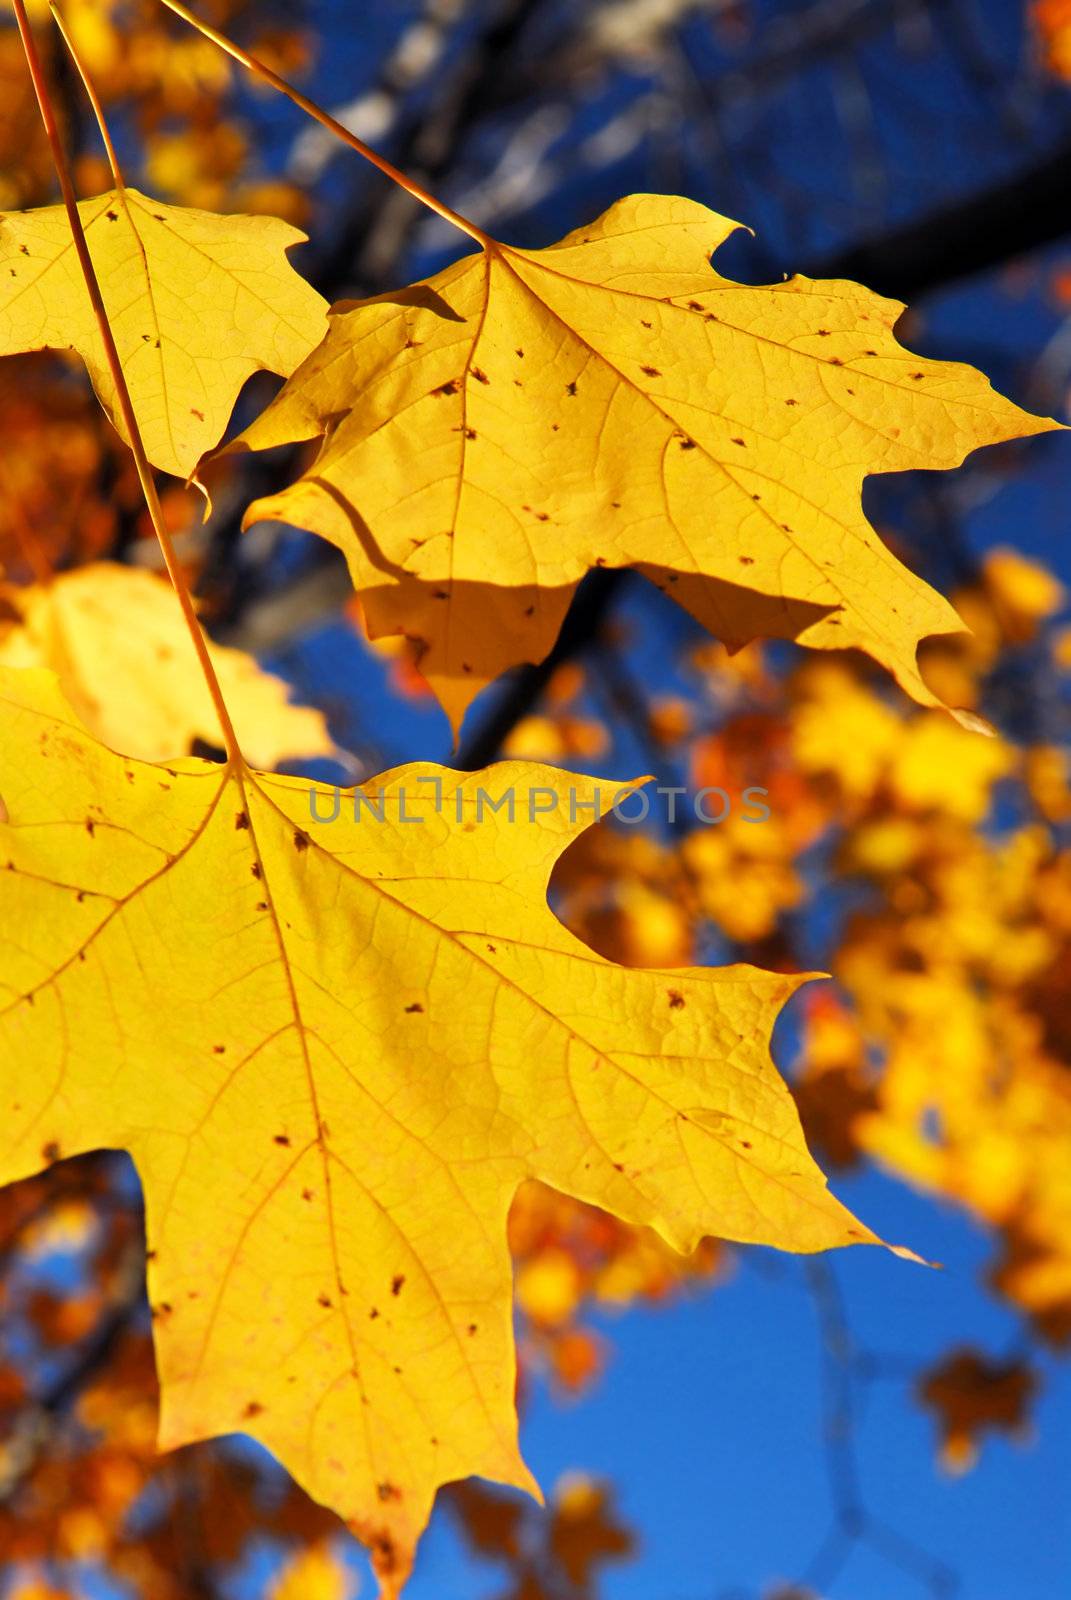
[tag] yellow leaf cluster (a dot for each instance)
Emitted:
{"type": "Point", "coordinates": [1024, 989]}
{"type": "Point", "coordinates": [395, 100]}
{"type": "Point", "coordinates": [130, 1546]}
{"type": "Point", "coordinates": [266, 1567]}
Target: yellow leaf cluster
{"type": "Point", "coordinates": [958, 972]}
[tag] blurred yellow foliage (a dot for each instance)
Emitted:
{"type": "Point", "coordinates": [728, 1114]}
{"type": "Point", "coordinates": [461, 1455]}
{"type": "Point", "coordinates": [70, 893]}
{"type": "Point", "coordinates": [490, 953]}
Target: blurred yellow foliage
{"type": "Point", "coordinates": [1052, 19]}
{"type": "Point", "coordinates": [970, 1393]}
{"type": "Point", "coordinates": [316, 1573]}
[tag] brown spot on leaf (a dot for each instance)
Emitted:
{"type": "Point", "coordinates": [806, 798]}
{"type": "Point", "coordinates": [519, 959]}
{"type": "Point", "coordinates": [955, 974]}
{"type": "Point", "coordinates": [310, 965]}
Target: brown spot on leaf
{"type": "Point", "coordinates": [397, 1283]}
{"type": "Point", "coordinates": [301, 839]}
{"type": "Point", "coordinates": [241, 821]}
{"type": "Point", "coordinates": [415, 1007]}
{"type": "Point", "coordinates": [676, 999]}
{"type": "Point", "coordinates": [282, 1138]}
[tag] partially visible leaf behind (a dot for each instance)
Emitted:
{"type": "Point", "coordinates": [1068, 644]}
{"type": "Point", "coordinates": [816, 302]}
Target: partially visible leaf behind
{"type": "Point", "coordinates": [197, 303]}
{"type": "Point", "coordinates": [491, 434]}
{"type": "Point", "coordinates": [268, 1019]}
{"type": "Point", "coordinates": [118, 643]}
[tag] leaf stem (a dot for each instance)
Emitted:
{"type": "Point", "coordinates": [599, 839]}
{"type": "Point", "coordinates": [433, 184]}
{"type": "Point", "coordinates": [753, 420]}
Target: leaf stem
{"type": "Point", "coordinates": [326, 120]}
{"type": "Point", "coordinates": [115, 366]}
{"type": "Point", "coordinates": [91, 93]}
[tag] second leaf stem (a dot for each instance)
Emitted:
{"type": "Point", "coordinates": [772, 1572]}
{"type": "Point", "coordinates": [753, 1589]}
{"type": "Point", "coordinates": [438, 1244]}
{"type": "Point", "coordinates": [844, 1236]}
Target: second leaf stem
{"type": "Point", "coordinates": [115, 367]}
{"type": "Point", "coordinates": [261, 70]}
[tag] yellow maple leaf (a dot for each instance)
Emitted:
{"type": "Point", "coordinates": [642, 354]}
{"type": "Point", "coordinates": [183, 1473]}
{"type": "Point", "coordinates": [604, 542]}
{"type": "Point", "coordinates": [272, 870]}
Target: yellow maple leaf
{"type": "Point", "coordinates": [524, 415]}
{"type": "Point", "coordinates": [334, 1052]}
{"type": "Point", "coordinates": [197, 302]}
{"type": "Point", "coordinates": [117, 641]}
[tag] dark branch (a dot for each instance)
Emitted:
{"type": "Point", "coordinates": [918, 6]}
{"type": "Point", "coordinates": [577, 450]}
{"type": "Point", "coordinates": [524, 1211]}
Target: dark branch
{"type": "Point", "coordinates": [967, 237]}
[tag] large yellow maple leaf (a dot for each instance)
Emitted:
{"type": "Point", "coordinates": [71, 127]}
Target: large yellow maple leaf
{"type": "Point", "coordinates": [197, 303]}
{"type": "Point", "coordinates": [525, 415]}
{"type": "Point", "coordinates": [119, 645]}
{"type": "Point", "coordinates": [334, 1050]}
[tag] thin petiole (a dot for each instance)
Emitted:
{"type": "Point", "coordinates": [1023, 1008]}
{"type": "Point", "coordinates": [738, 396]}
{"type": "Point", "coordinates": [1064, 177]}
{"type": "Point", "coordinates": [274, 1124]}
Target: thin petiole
{"type": "Point", "coordinates": [326, 120]}
{"type": "Point", "coordinates": [115, 367]}
{"type": "Point", "coordinates": [91, 93]}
